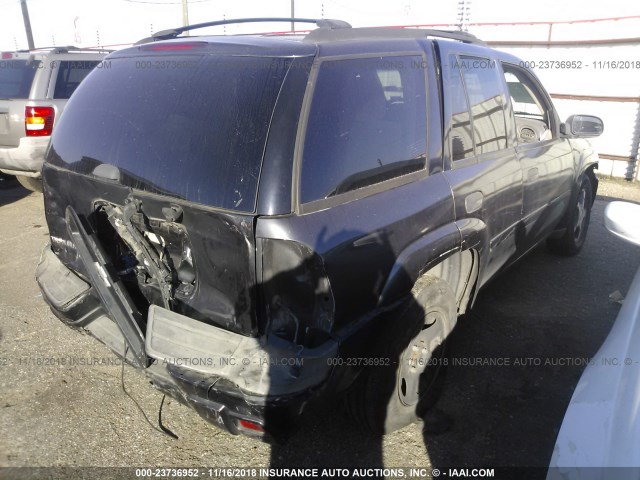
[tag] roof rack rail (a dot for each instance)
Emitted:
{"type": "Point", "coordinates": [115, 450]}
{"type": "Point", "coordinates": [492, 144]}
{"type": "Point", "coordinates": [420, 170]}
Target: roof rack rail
{"type": "Point", "coordinates": [323, 23]}
{"type": "Point", "coordinates": [391, 32]}
{"type": "Point", "coordinates": [464, 37]}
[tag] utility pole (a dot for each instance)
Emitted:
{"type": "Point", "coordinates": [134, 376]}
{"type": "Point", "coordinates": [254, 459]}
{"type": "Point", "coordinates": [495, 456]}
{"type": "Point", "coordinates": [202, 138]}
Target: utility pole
{"type": "Point", "coordinates": [185, 14]}
{"type": "Point", "coordinates": [293, 15]}
{"type": "Point", "coordinates": [27, 24]}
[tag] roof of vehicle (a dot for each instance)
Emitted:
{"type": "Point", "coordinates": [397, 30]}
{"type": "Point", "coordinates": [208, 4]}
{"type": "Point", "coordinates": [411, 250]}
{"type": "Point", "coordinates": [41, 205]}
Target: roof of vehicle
{"type": "Point", "coordinates": [328, 30]}
{"type": "Point", "coordinates": [331, 37]}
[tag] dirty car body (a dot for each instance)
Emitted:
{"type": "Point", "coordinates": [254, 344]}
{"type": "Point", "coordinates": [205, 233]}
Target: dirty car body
{"type": "Point", "coordinates": [241, 216]}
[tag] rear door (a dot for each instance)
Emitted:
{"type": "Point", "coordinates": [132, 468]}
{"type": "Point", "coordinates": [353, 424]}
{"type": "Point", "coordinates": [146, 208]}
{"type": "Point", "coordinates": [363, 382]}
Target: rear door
{"type": "Point", "coordinates": [365, 191]}
{"type": "Point", "coordinates": [17, 76]}
{"type": "Point", "coordinates": [484, 172]}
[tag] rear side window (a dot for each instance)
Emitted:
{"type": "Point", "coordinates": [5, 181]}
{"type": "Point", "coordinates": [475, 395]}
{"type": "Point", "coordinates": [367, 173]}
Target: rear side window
{"type": "Point", "coordinates": [487, 100]}
{"type": "Point", "coordinates": [459, 118]}
{"type": "Point", "coordinates": [367, 124]}
{"type": "Point", "coordinates": [70, 74]}
{"type": "Point", "coordinates": [190, 126]}
{"type": "Point", "coordinates": [16, 77]}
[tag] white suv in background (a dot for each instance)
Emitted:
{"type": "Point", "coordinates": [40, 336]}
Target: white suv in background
{"type": "Point", "coordinates": [34, 89]}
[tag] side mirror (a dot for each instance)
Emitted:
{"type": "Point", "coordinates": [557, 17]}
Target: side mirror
{"type": "Point", "coordinates": [623, 220]}
{"type": "Point", "coordinates": [582, 126]}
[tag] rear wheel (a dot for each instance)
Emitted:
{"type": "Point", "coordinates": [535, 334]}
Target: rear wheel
{"type": "Point", "coordinates": [399, 392]}
{"type": "Point", "coordinates": [30, 183]}
{"type": "Point", "coordinates": [576, 233]}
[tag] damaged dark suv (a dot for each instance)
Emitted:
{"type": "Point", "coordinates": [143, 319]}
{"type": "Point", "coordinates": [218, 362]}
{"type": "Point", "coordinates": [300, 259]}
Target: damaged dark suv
{"type": "Point", "coordinates": [258, 221]}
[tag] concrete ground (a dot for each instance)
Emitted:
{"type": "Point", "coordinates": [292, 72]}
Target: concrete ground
{"type": "Point", "coordinates": [61, 403]}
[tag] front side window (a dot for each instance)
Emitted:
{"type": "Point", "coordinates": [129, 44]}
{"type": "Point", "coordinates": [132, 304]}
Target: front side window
{"type": "Point", "coordinates": [367, 124]}
{"type": "Point", "coordinates": [70, 74]}
{"type": "Point", "coordinates": [530, 110]}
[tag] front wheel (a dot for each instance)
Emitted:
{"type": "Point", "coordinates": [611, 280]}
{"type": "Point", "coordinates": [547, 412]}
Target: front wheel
{"type": "Point", "coordinates": [388, 397]}
{"type": "Point", "coordinates": [576, 233]}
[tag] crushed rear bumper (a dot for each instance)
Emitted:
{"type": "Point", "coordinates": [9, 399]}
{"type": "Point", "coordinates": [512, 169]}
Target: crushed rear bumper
{"type": "Point", "coordinates": [252, 386]}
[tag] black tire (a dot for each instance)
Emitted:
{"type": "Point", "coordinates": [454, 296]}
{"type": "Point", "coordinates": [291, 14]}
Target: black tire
{"type": "Point", "coordinates": [575, 235]}
{"type": "Point", "coordinates": [388, 397]}
{"type": "Point", "coordinates": [30, 183]}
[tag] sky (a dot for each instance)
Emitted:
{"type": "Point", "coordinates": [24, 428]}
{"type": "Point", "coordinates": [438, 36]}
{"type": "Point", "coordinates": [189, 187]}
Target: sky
{"type": "Point", "coordinates": [108, 22]}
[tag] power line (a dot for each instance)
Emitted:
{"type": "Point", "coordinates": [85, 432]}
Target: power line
{"type": "Point", "coordinates": [165, 3]}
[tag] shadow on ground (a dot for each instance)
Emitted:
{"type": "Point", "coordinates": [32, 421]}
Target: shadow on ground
{"type": "Point", "coordinates": [11, 191]}
{"type": "Point", "coordinates": [545, 316]}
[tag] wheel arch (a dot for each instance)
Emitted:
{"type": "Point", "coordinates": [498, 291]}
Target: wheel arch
{"type": "Point", "coordinates": [590, 173]}
{"type": "Point", "coordinates": [451, 253]}
{"type": "Point", "coordinates": [586, 162]}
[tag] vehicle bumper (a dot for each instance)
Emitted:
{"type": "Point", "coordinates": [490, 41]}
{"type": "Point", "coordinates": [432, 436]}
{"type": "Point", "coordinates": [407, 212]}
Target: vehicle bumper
{"type": "Point", "coordinates": [25, 159]}
{"type": "Point", "coordinates": [226, 377]}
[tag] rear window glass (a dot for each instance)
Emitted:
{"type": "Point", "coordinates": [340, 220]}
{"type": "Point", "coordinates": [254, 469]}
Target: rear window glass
{"type": "Point", "coordinates": [16, 77]}
{"type": "Point", "coordinates": [70, 74]}
{"type": "Point", "coordinates": [189, 126]}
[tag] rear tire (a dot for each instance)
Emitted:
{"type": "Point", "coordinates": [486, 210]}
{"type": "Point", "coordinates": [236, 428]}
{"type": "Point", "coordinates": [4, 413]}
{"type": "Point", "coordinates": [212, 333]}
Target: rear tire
{"type": "Point", "coordinates": [30, 183]}
{"type": "Point", "coordinates": [575, 235]}
{"type": "Point", "coordinates": [388, 397]}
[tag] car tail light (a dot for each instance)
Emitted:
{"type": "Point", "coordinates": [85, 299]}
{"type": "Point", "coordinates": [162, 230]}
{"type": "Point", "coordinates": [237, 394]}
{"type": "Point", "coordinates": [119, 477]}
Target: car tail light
{"type": "Point", "coordinates": [6, 55]}
{"type": "Point", "coordinates": [297, 298]}
{"type": "Point", "coordinates": [38, 121]}
{"type": "Point", "coordinates": [249, 425]}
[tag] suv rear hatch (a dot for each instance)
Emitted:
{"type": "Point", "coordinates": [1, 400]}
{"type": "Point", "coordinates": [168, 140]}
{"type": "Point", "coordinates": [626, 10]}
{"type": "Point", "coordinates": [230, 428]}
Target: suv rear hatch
{"type": "Point", "coordinates": [158, 157]}
{"type": "Point", "coordinates": [16, 80]}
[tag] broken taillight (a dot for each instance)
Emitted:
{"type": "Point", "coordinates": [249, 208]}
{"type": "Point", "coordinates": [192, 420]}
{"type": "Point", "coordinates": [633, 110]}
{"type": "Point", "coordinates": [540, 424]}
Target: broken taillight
{"type": "Point", "coordinates": [249, 425]}
{"type": "Point", "coordinates": [38, 121]}
{"type": "Point", "coordinates": [298, 300]}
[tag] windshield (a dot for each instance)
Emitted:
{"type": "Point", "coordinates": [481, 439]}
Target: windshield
{"type": "Point", "coordinates": [192, 126]}
{"type": "Point", "coordinates": [16, 77]}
